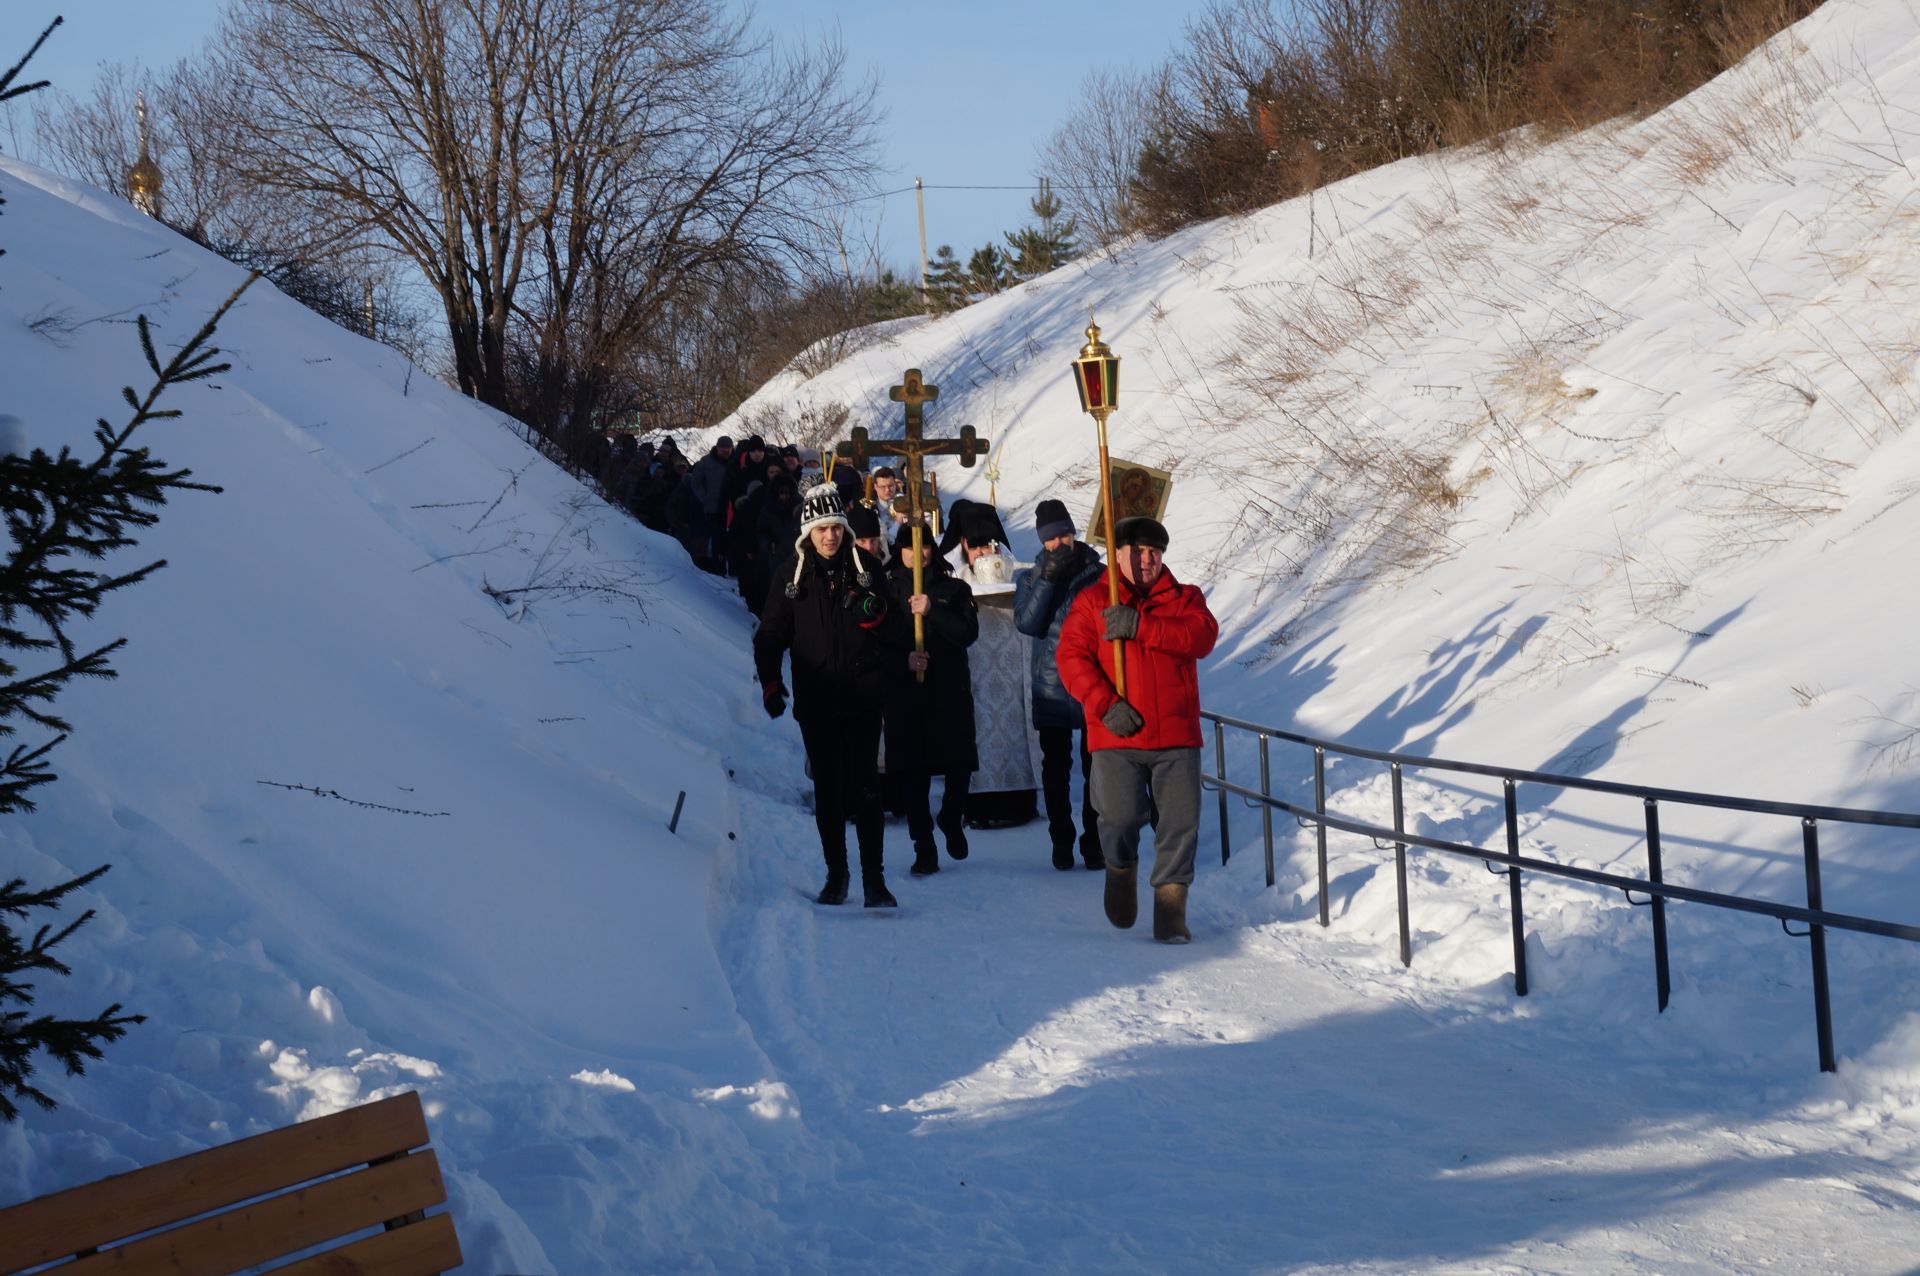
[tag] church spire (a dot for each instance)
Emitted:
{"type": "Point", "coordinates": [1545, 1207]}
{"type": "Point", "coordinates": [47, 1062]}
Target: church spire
{"type": "Point", "coordinates": [143, 176]}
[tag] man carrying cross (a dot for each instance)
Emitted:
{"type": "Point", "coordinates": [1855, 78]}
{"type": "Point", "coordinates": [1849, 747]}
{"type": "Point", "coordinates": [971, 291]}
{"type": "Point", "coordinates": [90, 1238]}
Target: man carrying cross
{"type": "Point", "coordinates": [914, 393]}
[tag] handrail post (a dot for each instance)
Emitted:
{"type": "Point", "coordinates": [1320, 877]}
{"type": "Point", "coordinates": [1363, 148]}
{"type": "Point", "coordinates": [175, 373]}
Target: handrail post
{"type": "Point", "coordinates": [1400, 868]}
{"type": "Point", "coordinates": [1220, 769]}
{"type": "Point", "coordinates": [1320, 829]}
{"type": "Point", "coordinates": [1266, 809]}
{"type": "Point", "coordinates": [1822, 1004]}
{"type": "Point", "coordinates": [1662, 980]}
{"type": "Point", "coordinates": [1513, 891]}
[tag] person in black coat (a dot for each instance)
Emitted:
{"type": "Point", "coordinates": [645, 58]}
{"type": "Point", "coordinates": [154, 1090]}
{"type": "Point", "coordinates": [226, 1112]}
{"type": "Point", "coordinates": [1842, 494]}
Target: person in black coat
{"type": "Point", "coordinates": [1041, 595]}
{"type": "Point", "coordinates": [743, 545]}
{"type": "Point", "coordinates": [776, 527]}
{"type": "Point", "coordinates": [829, 606]}
{"type": "Point", "coordinates": [929, 724]}
{"type": "Point", "coordinates": [745, 472]}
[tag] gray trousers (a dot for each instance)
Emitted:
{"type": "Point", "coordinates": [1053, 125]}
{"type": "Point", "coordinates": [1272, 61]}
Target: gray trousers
{"type": "Point", "coordinates": [1120, 796]}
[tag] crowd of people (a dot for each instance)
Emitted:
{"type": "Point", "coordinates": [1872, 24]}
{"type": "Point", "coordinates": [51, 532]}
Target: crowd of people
{"type": "Point", "coordinates": [1012, 675]}
{"type": "Point", "coordinates": [915, 656]}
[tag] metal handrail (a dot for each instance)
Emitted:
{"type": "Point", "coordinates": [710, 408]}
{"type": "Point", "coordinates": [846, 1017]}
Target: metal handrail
{"type": "Point", "coordinates": [1799, 810]}
{"type": "Point", "coordinates": [1816, 918]}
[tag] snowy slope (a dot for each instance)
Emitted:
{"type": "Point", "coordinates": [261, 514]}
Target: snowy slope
{"type": "Point", "coordinates": [1589, 455]}
{"type": "Point", "coordinates": [518, 914]}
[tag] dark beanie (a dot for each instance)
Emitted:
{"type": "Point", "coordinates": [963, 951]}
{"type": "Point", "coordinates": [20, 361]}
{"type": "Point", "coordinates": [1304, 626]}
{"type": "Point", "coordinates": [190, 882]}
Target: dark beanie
{"type": "Point", "coordinates": [903, 536]}
{"type": "Point", "coordinates": [863, 522]}
{"type": "Point", "coordinates": [1141, 530]}
{"type": "Point", "coordinates": [1050, 519]}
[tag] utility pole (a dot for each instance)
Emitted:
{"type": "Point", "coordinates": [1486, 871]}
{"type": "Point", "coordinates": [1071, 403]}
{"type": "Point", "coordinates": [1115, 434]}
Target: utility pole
{"type": "Point", "coordinates": [920, 198]}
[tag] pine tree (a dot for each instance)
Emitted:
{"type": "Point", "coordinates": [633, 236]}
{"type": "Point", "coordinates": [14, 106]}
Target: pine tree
{"type": "Point", "coordinates": [946, 281]}
{"type": "Point", "coordinates": [1046, 243]}
{"type": "Point", "coordinates": [891, 297]}
{"type": "Point", "coordinates": [63, 514]}
{"type": "Point", "coordinates": [989, 271]}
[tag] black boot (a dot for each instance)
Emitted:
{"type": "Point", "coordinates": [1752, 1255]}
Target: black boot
{"type": "Point", "coordinates": [1123, 896]}
{"type": "Point", "coordinates": [1063, 854]}
{"type": "Point", "coordinates": [926, 858]}
{"type": "Point", "coordinates": [1090, 853]}
{"type": "Point", "coordinates": [835, 891]}
{"type": "Point", "coordinates": [878, 896]}
{"type": "Point", "coordinates": [956, 832]}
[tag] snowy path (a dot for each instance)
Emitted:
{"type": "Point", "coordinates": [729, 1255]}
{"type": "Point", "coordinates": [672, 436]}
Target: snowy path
{"type": "Point", "coordinates": [1000, 1082]}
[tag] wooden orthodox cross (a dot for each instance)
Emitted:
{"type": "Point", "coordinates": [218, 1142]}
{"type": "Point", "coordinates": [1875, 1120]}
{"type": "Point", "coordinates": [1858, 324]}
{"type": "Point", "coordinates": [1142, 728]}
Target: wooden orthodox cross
{"type": "Point", "coordinates": [915, 394]}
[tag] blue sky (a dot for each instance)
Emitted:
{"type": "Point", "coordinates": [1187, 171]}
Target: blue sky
{"type": "Point", "coordinates": [969, 90]}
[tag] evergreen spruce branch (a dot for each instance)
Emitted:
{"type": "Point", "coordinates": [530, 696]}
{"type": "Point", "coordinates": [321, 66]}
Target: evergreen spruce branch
{"type": "Point", "coordinates": [6, 81]}
{"type": "Point", "coordinates": [69, 1042]}
{"type": "Point", "coordinates": [20, 695]}
{"type": "Point", "coordinates": [25, 769]}
{"type": "Point", "coordinates": [89, 509]}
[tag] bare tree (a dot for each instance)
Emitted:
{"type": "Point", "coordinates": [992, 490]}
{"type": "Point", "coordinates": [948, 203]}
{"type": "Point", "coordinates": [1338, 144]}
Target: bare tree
{"type": "Point", "coordinates": [1091, 157]}
{"type": "Point", "coordinates": [561, 166]}
{"type": "Point", "coordinates": [96, 139]}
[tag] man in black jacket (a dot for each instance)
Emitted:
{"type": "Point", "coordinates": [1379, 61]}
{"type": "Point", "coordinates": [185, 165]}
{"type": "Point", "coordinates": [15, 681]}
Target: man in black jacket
{"type": "Point", "coordinates": [930, 722]}
{"type": "Point", "coordinates": [1041, 595]}
{"type": "Point", "coordinates": [828, 604]}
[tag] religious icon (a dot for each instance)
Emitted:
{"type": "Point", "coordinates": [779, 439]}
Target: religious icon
{"type": "Point", "coordinates": [1137, 489]}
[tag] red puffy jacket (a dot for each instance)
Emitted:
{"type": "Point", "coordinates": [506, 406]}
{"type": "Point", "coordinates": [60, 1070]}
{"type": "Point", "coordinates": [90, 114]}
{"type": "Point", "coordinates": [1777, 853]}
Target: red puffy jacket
{"type": "Point", "coordinates": [1163, 681]}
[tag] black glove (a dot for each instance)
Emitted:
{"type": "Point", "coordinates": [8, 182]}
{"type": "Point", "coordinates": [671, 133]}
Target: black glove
{"type": "Point", "coordinates": [1123, 719]}
{"type": "Point", "coordinates": [1055, 564]}
{"type": "Point", "coordinates": [1123, 622]}
{"type": "Point", "coordinates": [774, 696]}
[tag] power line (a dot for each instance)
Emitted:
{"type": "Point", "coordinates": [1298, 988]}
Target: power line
{"type": "Point", "coordinates": [907, 190]}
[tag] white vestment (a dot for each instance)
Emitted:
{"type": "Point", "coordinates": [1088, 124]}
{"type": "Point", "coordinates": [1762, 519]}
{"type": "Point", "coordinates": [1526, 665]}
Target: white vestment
{"type": "Point", "coordinates": [1000, 664]}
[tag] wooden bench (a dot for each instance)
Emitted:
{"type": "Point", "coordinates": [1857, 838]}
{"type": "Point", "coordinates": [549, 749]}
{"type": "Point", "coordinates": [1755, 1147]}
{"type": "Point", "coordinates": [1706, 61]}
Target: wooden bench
{"type": "Point", "coordinates": [237, 1206]}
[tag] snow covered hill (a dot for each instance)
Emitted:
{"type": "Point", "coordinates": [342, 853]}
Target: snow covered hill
{"type": "Point", "coordinates": [1590, 455]}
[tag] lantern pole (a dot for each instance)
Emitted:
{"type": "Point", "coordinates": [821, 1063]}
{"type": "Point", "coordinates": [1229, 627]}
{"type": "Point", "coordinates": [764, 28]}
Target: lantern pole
{"type": "Point", "coordinates": [1113, 564]}
{"type": "Point", "coordinates": [1096, 376]}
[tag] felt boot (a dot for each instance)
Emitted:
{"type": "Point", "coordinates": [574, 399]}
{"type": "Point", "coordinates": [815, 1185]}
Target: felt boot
{"type": "Point", "coordinates": [1170, 914]}
{"type": "Point", "coordinates": [1123, 897]}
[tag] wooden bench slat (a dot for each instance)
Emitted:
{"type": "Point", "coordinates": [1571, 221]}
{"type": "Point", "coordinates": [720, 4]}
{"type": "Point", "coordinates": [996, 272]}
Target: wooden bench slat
{"type": "Point", "coordinates": [278, 1226]}
{"type": "Point", "coordinates": [417, 1249]}
{"type": "Point", "coordinates": [92, 1214]}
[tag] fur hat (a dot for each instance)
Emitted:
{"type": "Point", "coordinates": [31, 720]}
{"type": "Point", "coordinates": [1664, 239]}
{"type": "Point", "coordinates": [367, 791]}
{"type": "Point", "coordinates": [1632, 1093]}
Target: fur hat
{"type": "Point", "coordinates": [1050, 519]}
{"type": "Point", "coordinates": [1141, 530]}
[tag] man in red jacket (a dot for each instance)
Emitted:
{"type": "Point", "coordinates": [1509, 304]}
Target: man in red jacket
{"type": "Point", "coordinates": [1146, 747]}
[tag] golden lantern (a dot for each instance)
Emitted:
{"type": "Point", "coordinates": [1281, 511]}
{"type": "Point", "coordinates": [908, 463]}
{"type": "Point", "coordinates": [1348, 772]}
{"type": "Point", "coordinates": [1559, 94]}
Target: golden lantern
{"type": "Point", "coordinates": [1096, 375]}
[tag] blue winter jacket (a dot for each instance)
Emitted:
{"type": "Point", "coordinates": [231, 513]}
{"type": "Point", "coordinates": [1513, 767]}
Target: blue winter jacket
{"type": "Point", "coordinates": [1039, 608]}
